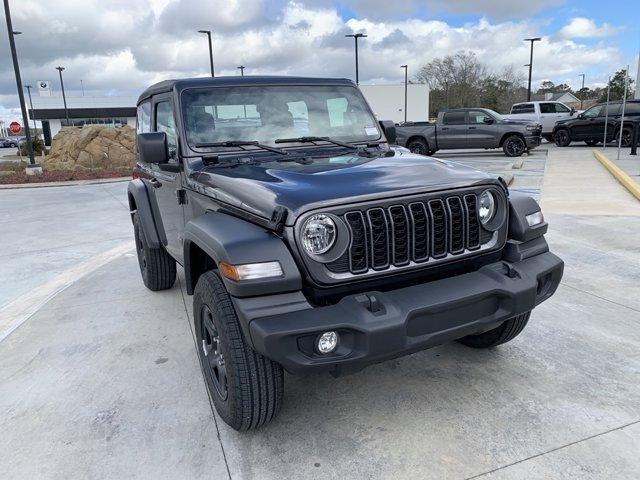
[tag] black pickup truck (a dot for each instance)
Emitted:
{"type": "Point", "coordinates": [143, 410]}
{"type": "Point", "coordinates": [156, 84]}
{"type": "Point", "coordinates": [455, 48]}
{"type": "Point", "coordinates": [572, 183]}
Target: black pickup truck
{"type": "Point", "coordinates": [310, 244]}
{"type": "Point", "coordinates": [469, 128]}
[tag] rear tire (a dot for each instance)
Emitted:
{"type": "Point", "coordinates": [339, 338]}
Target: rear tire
{"type": "Point", "coordinates": [514, 146]}
{"type": "Point", "coordinates": [157, 267]}
{"type": "Point", "coordinates": [562, 138]}
{"type": "Point", "coordinates": [246, 387]}
{"type": "Point", "coordinates": [627, 136]}
{"type": "Point", "coordinates": [506, 332]}
{"type": "Point", "coordinates": [419, 146]}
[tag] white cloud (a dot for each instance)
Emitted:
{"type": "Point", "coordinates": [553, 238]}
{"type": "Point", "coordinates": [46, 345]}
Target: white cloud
{"type": "Point", "coordinates": [581, 27]}
{"type": "Point", "coordinates": [120, 46]}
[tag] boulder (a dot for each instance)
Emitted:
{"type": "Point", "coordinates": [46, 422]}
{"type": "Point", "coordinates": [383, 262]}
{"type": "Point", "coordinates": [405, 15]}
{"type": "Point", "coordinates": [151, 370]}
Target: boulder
{"type": "Point", "coordinates": [92, 147]}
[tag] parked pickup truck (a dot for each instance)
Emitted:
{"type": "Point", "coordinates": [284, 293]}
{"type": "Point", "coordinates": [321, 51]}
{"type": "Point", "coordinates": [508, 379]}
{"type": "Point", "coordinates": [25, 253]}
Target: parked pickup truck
{"type": "Point", "coordinates": [310, 244]}
{"type": "Point", "coordinates": [469, 128]}
{"type": "Point", "coordinates": [544, 113]}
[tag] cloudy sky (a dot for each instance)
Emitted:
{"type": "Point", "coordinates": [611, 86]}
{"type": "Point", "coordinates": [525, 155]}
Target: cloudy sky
{"type": "Point", "coordinates": [117, 47]}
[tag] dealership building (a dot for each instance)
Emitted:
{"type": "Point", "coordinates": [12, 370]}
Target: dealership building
{"type": "Point", "coordinates": [387, 102]}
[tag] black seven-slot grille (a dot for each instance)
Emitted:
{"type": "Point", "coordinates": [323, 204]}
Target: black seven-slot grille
{"type": "Point", "coordinates": [414, 232]}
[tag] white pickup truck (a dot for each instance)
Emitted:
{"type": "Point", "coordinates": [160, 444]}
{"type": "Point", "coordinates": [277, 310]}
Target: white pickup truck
{"type": "Point", "coordinates": [545, 113]}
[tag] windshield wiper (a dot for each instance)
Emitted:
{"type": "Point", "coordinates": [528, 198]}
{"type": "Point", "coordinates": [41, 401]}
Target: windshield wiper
{"type": "Point", "coordinates": [317, 139]}
{"type": "Point", "coordinates": [242, 143]}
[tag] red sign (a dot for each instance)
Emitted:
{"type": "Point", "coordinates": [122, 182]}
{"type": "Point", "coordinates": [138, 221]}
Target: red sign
{"type": "Point", "coordinates": [15, 128]}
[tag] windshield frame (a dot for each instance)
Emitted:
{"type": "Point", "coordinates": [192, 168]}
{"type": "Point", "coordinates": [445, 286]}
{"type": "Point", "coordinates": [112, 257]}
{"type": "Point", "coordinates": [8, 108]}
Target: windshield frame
{"type": "Point", "coordinates": [190, 146]}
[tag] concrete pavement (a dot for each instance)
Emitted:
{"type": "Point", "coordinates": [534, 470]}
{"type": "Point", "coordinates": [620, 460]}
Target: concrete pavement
{"type": "Point", "coordinates": [103, 380]}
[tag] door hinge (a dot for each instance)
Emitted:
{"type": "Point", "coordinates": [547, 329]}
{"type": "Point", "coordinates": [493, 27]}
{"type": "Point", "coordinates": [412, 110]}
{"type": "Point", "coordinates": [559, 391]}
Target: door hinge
{"type": "Point", "coordinates": [181, 194]}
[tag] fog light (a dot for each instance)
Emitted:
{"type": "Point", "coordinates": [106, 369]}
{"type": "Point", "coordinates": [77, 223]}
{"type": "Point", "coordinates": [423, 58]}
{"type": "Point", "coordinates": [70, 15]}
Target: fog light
{"type": "Point", "coordinates": [535, 219]}
{"type": "Point", "coordinates": [327, 342]}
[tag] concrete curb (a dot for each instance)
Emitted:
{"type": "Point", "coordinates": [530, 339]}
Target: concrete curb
{"type": "Point", "coordinates": [70, 183]}
{"type": "Point", "coordinates": [618, 173]}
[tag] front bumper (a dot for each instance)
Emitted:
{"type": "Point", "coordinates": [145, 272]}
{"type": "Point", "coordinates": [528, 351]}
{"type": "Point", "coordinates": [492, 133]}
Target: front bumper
{"type": "Point", "coordinates": [533, 141]}
{"type": "Point", "coordinates": [381, 325]}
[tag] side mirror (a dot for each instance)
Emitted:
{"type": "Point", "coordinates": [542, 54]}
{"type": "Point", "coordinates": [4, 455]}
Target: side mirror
{"type": "Point", "coordinates": [152, 147]}
{"type": "Point", "coordinates": [487, 120]}
{"type": "Point", "coordinates": [573, 111]}
{"type": "Point", "coordinates": [389, 130]}
{"type": "Point", "coordinates": [581, 116]}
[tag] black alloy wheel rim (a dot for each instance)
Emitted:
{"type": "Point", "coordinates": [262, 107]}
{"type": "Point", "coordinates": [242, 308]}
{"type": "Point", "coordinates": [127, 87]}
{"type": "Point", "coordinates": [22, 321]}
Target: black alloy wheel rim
{"type": "Point", "coordinates": [626, 138]}
{"type": "Point", "coordinates": [561, 137]}
{"type": "Point", "coordinates": [418, 148]}
{"type": "Point", "coordinates": [515, 146]}
{"type": "Point", "coordinates": [213, 358]}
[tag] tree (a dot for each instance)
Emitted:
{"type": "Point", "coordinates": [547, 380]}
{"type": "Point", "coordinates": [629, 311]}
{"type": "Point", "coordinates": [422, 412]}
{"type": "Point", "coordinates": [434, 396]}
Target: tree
{"type": "Point", "coordinates": [460, 80]}
{"type": "Point", "coordinates": [549, 87]}
{"type": "Point", "coordinates": [616, 85]}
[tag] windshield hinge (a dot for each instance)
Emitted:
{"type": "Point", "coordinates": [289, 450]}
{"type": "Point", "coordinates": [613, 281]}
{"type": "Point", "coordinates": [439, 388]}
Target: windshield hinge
{"type": "Point", "coordinates": [181, 194]}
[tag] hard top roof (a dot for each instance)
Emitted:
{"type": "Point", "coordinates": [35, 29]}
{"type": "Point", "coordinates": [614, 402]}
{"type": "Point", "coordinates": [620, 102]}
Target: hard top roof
{"type": "Point", "coordinates": [234, 81]}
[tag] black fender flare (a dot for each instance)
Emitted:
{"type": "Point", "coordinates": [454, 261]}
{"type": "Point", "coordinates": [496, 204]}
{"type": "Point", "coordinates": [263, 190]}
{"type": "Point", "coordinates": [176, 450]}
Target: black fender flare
{"type": "Point", "coordinates": [229, 239]}
{"type": "Point", "coordinates": [521, 205]}
{"type": "Point", "coordinates": [140, 202]}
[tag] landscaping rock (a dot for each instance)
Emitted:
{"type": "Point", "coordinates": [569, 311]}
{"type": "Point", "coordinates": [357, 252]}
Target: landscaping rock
{"type": "Point", "coordinates": [91, 147]}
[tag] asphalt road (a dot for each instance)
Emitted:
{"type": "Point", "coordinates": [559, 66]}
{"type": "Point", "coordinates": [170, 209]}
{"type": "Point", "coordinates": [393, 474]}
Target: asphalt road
{"type": "Point", "coordinates": [99, 377]}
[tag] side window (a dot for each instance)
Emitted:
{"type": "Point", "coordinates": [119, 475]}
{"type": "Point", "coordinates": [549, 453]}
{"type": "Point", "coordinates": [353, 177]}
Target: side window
{"type": "Point", "coordinates": [166, 123]}
{"type": "Point", "coordinates": [547, 108]}
{"type": "Point", "coordinates": [454, 118]}
{"type": "Point", "coordinates": [560, 108]}
{"type": "Point", "coordinates": [143, 117]}
{"type": "Point", "coordinates": [523, 108]}
{"type": "Point", "coordinates": [632, 108]}
{"type": "Point", "coordinates": [477, 116]}
{"type": "Point", "coordinates": [596, 111]}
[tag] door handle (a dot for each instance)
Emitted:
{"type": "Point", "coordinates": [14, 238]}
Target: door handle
{"type": "Point", "coordinates": [445, 128]}
{"type": "Point", "coordinates": [472, 128]}
{"type": "Point", "coordinates": [155, 183]}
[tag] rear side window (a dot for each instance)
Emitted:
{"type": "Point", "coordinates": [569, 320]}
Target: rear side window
{"type": "Point", "coordinates": [454, 118]}
{"type": "Point", "coordinates": [143, 121]}
{"type": "Point", "coordinates": [547, 108]}
{"type": "Point", "coordinates": [632, 108]}
{"type": "Point", "coordinates": [523, 108]}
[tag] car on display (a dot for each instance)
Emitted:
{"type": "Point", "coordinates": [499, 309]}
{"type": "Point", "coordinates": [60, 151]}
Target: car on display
{"type": "Point", "coordinates": [469, 128]}
{"type": "Point", "coordinates": [311, 244]}
{"type": "Point", "coordinates": [9, 142]}
{"type": "Point", "coordinates": [544, 113]}
{"type": "Point", "coordinates": [589, 126]}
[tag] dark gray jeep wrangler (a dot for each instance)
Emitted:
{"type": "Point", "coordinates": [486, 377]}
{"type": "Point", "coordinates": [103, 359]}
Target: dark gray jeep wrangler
{"type": "Point", "coordinates": [310, 244]}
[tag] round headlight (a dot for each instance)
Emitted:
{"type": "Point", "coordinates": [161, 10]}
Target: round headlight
{"type": "Point", "coordinates": [318, 234]}
{"type": "Point", "coordinates": [487, 207]}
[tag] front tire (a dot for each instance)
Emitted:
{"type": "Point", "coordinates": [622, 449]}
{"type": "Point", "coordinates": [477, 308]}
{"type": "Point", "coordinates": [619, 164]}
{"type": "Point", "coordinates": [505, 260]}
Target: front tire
{"type": "Point", "coordinates": [514, 146]}
{"type": "Point", "coordinates": [506, 332]}
{"type": "Point", "coordinates": [157, 267]}
{"type": "Point", "coordinates": [562, 138]}
{"type": "Point", "coordinates": [627, 136]}
{"type": "Point", "coordinates": [246, 387]}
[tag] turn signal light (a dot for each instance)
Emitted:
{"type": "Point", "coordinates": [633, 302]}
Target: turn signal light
{"type": "Point", "coordinates": [250, 271]}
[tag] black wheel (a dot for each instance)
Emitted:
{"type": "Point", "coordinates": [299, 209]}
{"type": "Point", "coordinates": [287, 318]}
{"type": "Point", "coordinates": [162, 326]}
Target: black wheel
{"type": "Point", "coordinates": [627, 134]}
{"type": "Point", "coordinates": [246, 387]}
{"type": "Point", "coordinates": [591, 143]}
{"type": "Point", "coordinates": [514, 146]}
{"type": "Point", "coordinates": [506, 332]}
{"type": "Point", "coordinates": [419, 146]}
{"type": "Point", "coordinates": [562, 138]}
{"type": "Point", "coordinates": [157, 267]}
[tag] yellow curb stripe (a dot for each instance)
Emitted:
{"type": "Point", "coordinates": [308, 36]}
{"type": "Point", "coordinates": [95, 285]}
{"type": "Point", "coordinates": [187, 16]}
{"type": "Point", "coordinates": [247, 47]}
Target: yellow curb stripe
{"type": "Point", "coordinates": [618, 173]}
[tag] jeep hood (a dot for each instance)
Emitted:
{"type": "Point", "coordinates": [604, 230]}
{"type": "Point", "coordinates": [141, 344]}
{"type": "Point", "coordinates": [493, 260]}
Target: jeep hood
{"type": "Point", "coordinates": [260, 188]}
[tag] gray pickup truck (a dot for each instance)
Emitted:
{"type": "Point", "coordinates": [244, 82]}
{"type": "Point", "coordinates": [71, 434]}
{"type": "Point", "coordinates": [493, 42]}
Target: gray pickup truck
{"type": "Point", "coordinates": [469, 128]}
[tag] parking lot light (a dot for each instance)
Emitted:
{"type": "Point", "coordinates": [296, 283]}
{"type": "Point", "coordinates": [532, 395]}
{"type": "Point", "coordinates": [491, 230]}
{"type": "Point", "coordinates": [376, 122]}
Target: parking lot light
{"type": "Point", "coordinates": [532, 40]}
{"type": "Point", "coordinates": [208, 34]}
{"type": "Point", "coordinates": [356, 36]}
{"type": "Point", "coordinates": [405, 91]}
{"type": "Point", "coordinates": [64, 97]}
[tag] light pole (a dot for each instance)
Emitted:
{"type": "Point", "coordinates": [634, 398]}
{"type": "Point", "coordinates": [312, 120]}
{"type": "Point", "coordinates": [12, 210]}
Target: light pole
{"type": "Point", "coordinates": [29, 87]}
{"type": "Point", "coordinates": [241, 68]}
{"type": "Point", "coordinates": [208, 34]}
{"type": "Point", "coordinates": [64, 97]}
{"type": "Point", "coordinates": [406, 68]}
{"type": "Point", "coordinates": [582, 90]}
{"type": "Point", "coordinates": [82, 87]}
{"type": "Point", "coordinates": [532, 40]}
{"type": "Point", "coordinates": [16, 68]}
{"type": "Point", "coordinates": [356, 36]}
{"type": "Point", "coordinates": [606, 114]}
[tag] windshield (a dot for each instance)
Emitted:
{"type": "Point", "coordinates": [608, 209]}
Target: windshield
{"type": "Point", "coordinates": [494, 114]}
{"type": "Point", "coordinates": [266, 113]}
